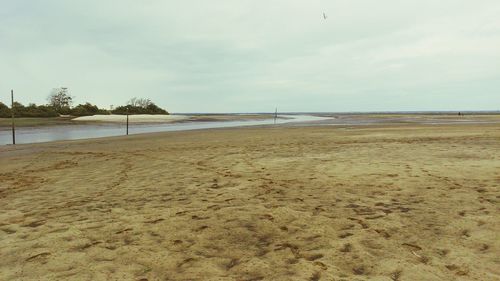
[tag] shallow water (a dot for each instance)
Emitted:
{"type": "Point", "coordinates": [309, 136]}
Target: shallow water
{"type": "Point", "coordinates": [75, 132]}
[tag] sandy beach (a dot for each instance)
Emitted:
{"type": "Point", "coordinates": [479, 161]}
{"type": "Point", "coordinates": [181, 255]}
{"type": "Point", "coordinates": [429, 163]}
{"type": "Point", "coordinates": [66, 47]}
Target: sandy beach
{"type": "Point", "coordinates": [140, 118]}
{"type": "Point", "coordinates": [382, 202]}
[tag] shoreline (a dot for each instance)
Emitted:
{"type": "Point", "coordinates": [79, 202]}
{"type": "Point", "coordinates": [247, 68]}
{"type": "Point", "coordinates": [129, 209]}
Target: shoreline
{"type": "Point", "coordinates": [102, 129]}
{"type": "Point", "coordinates": [296, 127]}
{"type": "Point", "coordinates": [95, 129]}
{"type": "Point", "coordinates": [5, 123]}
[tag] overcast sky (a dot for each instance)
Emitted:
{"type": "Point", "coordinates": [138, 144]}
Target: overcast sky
{"type": "Point", "coordinates": [254, 55]}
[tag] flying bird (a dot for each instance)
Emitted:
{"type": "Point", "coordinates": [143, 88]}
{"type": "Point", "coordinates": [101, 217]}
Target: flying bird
{"type": "Point", "coordinates": [324, 16]}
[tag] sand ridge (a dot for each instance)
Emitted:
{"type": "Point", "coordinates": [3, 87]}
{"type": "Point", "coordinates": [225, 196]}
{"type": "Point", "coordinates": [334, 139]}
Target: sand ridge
{"type": "Point", "coordinates": [137, 118]}
{"type": "Point", "coordinates": [368, 203]}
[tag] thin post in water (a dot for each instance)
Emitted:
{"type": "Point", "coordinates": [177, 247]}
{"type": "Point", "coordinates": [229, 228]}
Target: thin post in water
{"type": "Point", "coordinates": [127, 122]}
{"type": "Point", "coordinates": [12, 114]}
{"type": "Point", "coordinates": [275, 115]}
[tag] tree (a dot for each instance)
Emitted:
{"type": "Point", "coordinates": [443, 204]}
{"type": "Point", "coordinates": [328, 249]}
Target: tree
{"type": "Point", "coordinates": [139, 106]}
{"type": "Point", "coordinates": [139, 102]}
{"type": "Point", "coordinates": [4, 111]}
{"type": "Point", "coordinates": [32, 110]}
{"type": "Point", "coordinates": [87, 109]}
{"type": "Point", "coordinates": [60, 100]}
{"type": "Point", "coordinates": [154, 109]}
{"type": "Point", "coordinates": [18, 107]}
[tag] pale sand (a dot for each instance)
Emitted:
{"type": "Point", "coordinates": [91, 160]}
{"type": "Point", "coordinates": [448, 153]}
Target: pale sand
{"type": "Point", "coordinates": [145, 118]}
{"type": "Point", "coordinates": [142, 118]}
{"type": "Point", "coordinates": [403, 202]}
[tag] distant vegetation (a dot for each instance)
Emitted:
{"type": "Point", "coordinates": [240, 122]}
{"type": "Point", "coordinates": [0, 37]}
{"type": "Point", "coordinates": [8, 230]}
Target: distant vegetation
{"type": "Point", "coordinates": [60, 103]}
{"type": "Point", "coordinates": [4, 111]}
{"type": "Point", "coordinates": [60, 100]}
{"type": "Point", "coordinates": [139, 106]}
{"type": "Point", "coordinates": [33, 110]}
{"type": "Point", "coordinates": [87, 109]}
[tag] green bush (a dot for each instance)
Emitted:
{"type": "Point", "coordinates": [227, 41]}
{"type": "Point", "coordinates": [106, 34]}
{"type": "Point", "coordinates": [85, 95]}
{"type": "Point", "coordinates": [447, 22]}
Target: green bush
{"type": "Point", "coordinates": [87, 109]}
{"type": "Point", "coordinates": [4, 111]}
{"type": "Point", "coordinates": [32, 110]}
{"type": "Point", "coordinates": [130, 109]}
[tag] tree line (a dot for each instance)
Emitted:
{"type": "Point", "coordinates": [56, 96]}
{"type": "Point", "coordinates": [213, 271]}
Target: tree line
{"type": "Point", "coordinates": [61, 103]}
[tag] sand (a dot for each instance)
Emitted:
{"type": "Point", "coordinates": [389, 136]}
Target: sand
{"type": "Point", "coordinates": [140, 118]}
{"type": "Point", "coordinates": [145, 118]}
{"type": "Point", "coordinates": [391, 202]}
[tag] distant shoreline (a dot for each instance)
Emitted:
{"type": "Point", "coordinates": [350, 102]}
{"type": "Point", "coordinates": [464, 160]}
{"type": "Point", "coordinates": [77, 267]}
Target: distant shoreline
{"type": "Point", "coordinates": [139, 118]}
{"type": "Point", "coordinates": [5, 123]}
{"type": "Point", "coordinates": [432, 112]}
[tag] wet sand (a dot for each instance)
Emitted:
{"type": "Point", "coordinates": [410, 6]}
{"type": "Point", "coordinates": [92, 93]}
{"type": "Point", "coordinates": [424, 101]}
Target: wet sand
{"type": "Point", "coordinates": [382, 202]}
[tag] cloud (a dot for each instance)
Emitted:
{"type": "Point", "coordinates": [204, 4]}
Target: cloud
{"type": "Point", "coordinates": [201, 56]}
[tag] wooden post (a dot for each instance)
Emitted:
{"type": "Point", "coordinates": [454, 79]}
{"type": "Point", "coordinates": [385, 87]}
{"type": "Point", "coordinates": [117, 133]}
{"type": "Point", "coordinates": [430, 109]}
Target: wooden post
{"type": "Point", "coordinates": [12, 114]}
{"type": "Point", "coordinates": [275, 115]}
{"type": "Point", "coordinates": [127, 122]}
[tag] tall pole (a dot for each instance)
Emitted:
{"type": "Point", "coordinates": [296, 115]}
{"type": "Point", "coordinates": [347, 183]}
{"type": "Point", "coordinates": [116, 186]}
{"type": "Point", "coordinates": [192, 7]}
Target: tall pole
{"type": "Point", "coordinates": [127, 122]}
{"type": "Point", "coordinates": [275, 115]}
{"type": "Point", "coordinates": [12, 114]}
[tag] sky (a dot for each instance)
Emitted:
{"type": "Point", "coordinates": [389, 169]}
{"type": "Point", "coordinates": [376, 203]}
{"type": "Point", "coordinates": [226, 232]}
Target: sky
{"type": "Point", "coordinates": [255, 55]}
